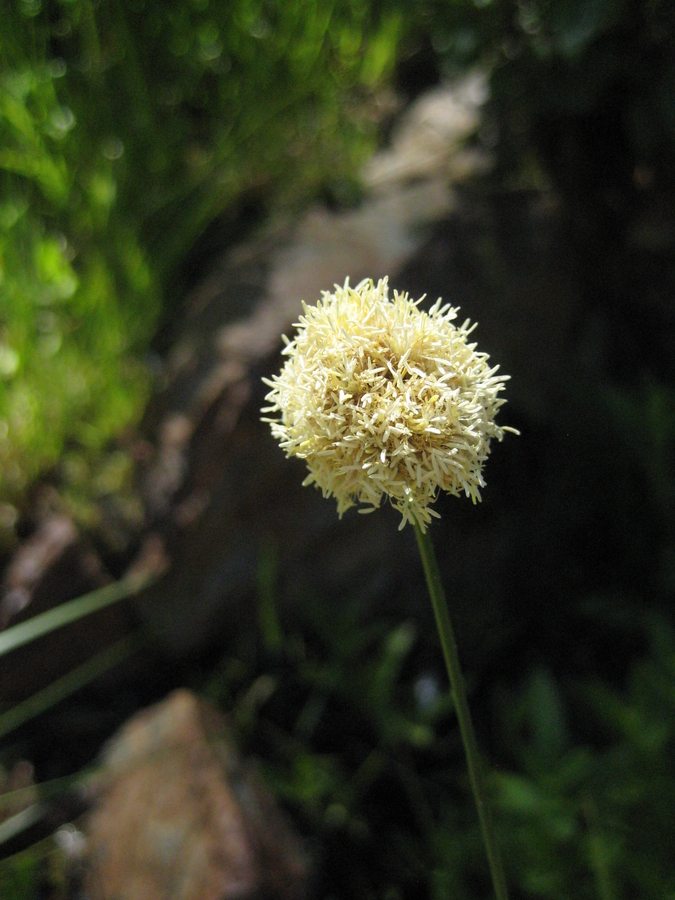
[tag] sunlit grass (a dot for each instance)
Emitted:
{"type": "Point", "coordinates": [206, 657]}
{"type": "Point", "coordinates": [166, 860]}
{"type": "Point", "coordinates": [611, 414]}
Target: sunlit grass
{"type": "Point", "coordinates": [124, 133]}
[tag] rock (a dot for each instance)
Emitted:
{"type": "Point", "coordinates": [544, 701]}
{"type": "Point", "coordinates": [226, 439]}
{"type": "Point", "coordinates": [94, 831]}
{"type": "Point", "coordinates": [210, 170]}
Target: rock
{"type": "Point", "coordinates": [179, 816]}
{"type": "Point", "coordinates": [428, 139]}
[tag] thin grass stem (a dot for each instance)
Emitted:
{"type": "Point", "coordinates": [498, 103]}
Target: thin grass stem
{"type": "Point", "coordinates": [449, 645]}
{"type": "Point", "coordinates": [73, 610]}
{"type": "Point", "coordinates": [68, 684]}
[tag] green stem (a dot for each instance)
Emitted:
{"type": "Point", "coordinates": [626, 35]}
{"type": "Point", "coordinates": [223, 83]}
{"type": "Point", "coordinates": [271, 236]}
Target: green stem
{"type": "Point", "coordinates": [66, 685]}
{"type": "Point", "coordinates": [49, 621]}
{"type": "Point", "coordinates": [447, 636]}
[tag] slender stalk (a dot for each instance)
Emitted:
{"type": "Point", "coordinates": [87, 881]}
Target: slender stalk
{"type": "Point", "coordinates": [49, 621]}
{"type": "Point", "coordinates": [66, 685]}
{"type": "Point", "coordinates": [449, 645]}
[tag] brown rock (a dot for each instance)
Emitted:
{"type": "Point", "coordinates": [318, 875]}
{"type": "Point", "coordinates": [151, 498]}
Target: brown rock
{"type": "Point", "coordinates": [180, 817]}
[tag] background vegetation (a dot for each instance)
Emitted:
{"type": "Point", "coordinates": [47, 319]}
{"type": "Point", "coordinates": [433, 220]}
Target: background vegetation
{"type": "Point", "coordinates": [127, 130]}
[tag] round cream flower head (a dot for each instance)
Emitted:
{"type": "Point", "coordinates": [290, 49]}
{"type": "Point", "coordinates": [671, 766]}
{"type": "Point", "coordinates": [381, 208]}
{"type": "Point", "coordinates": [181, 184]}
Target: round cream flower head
{"type": "Point", "coordinates": [381, 398]}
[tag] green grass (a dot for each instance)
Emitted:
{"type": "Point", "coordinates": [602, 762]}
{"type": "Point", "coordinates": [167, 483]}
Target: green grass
{"type": "Point", "coordinates": [125, 131]}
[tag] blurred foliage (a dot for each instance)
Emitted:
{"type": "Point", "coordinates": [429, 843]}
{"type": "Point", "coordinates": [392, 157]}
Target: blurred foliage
{"type": "Point", "coordinates": [71, 323]}
{"type": "Point", "coordinates": [586, 85]}
{"type": "Point", "coordinates": [603, 813]}
{"type": "Point", "coordinates": [126, 129]}
{"type": "Point", "coordinates": [360, 743]}
{"type": "Point", "coordinates": [594, 820]}
{"type": "Point", "coordinates": [20, 875]}
{"type": "Point", "coordinates": [645, 422]}
{"type": "Point", "coordinates": [42, 870]}
{"type": "Point", "coordinates": [364, 749]}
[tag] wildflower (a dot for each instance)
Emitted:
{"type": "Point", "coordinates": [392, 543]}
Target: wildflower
{"type": "Point", "coordinates": [381, 398]}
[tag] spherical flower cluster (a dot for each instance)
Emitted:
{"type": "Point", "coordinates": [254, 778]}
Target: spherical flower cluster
{"type": "Point", "coordinates": [381, 398]}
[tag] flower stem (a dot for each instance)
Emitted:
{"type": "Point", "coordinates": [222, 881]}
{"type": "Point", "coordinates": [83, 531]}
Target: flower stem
{"type": "Point", "coordinates": [447, 636]}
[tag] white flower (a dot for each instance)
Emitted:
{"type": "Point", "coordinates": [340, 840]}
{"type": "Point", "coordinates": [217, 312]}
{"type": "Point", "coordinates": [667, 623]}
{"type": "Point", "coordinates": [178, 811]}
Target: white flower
{"type": "Point", "coordinates": [380, 397]}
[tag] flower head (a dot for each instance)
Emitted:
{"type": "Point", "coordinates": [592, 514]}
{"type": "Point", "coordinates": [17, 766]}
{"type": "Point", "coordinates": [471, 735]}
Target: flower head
{"type": "Point", "coordinates": [381, 398]}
